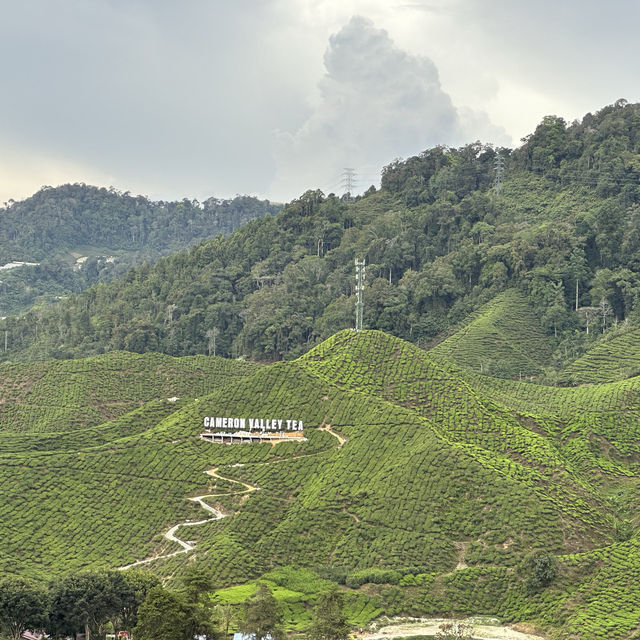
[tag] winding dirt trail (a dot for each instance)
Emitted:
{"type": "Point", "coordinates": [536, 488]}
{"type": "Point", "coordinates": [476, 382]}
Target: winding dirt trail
{"type": "Point", "coordinates": [187, 546]}
{"type": "Point", "coordinates": [328, 429]}
{"type": "Point", "coordinates": [217, 515]}
{"type": "Point", "coordinates": [422, 626]}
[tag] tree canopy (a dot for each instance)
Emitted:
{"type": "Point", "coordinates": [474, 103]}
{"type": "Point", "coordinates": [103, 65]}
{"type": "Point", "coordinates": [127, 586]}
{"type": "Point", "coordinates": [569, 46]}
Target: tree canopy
{"type": "Point", "coordinates": [438, 243]}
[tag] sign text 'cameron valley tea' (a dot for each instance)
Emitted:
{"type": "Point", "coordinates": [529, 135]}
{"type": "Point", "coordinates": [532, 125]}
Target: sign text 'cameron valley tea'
{"type": "Point", "coordinates": [254, 424]}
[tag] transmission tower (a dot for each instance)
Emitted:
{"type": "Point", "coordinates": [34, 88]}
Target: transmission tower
{"type": "Point", "coordinates": [499, 167]}
{"type": "Point", "coordinates": [359, 289]}
{"type": "Point", "coordinates": [348, 181]}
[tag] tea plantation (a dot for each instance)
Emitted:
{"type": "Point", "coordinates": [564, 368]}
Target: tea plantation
{"type": "Point", "coordinates": [423, 486]}
{"type": "Point", "coordinates": [615, 357]}
{"type": "Point", "coordinates": [503, 338]}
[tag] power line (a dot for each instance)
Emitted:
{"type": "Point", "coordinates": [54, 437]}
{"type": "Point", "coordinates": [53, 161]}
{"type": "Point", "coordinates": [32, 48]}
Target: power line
{"type": "Point", "coordinates": [348, 181]}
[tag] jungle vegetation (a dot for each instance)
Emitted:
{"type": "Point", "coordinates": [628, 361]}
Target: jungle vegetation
{"type": "Point", "coordinates": [78, 235]}
{"type": "Point", "coordinates": [439, 242]}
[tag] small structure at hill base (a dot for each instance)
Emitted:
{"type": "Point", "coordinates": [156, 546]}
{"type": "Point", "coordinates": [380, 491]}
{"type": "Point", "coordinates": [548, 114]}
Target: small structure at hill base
{"type": "Point", "coordinates": [247, 437]}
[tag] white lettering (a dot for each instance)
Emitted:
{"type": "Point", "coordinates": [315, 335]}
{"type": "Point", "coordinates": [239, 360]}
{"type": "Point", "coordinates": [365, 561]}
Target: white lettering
{"type": "Point", "coordinates": [262, 424]}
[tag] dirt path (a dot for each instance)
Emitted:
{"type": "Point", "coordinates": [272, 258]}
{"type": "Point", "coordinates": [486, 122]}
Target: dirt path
{"type": "Point", "coordinates": [328, 429]}
{"type": "Point", "coordinates": [217, 515]}
{"type": "Point", "coordinates": [214, 473]}
{"type": "Point", "coordinates": [187, 546]}
{"type": "Point", "coordinates": [431, 626]}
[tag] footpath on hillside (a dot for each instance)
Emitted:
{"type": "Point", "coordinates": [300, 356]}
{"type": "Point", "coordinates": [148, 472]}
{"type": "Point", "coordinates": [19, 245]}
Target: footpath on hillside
{"type": "Point", "coordinates": [186, 546]}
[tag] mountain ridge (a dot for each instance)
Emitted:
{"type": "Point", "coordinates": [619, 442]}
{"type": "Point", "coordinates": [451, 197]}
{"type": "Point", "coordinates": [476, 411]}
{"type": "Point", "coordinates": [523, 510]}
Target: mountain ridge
{"type": "Point", "coordinates": [439, 243]}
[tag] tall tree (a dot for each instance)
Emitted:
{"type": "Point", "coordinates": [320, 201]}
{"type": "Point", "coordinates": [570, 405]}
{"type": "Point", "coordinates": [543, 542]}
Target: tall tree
{"type": "Point", "coordinates": [578, 270]}
{"type": "Point", "coordinates": [84, 602]}
{"type": "Point", "coordinates": [138, 583]}
{"type": "Point", "coordinates": [262, 615]}
{"type": "Point", "coordinates": [168, 615]}
{"type": "Point", "coordinates": [23, 605]}
{"type": "Point", "coordinates": [329, 621]}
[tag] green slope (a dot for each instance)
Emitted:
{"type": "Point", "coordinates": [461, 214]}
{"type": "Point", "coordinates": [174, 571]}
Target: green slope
{"type": "Point", "coordinates": [60, 395]}
{"type": "Point", "coordinates": [614, 357]}
{"type": "Point", "coordinates": [445, 479]}
{"type": "Point", "coordinates": [503, 338]}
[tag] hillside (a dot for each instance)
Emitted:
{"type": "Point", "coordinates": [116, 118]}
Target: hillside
{"type": "Point", "coordinates": [439, 243]}
{"type": "Point", "coordinates": [503, 338]}
{"type": "Point", "coordinates": [75, 236]}
{"type": "Point", "coordinates": [432, 481]}
{"type": "Point", "coordinates": [614, 357]}
{"type": "Point", "coordinates": [62, 395]}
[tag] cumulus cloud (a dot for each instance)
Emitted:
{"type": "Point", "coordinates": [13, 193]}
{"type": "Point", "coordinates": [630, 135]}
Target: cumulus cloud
{"type": "Point", "coordinates": [376, 103]}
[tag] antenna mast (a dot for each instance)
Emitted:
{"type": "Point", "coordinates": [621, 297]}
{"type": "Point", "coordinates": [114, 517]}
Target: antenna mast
{"type": "Point", "coordinates": [359, 289]}
{"type": "Point", "coordinates": [499, 167]}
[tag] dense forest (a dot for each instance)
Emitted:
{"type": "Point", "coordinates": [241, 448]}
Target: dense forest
{"type": "Point", "coordinates": [557, 218]}
{"type": "Point", "coordinates": [81, 235]}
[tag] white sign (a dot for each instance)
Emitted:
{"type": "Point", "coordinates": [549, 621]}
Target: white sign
{"type": "Point", "coordinates": [253, 424]}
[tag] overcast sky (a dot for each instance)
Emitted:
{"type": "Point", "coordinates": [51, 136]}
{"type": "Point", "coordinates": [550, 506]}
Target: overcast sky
{"type": "Point", "coordinates": [195, 98]}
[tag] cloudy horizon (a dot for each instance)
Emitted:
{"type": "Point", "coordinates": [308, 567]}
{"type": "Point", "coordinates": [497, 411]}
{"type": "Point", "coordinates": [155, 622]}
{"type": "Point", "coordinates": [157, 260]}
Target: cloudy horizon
{"type": "Point", "coordinates": [210, 98]}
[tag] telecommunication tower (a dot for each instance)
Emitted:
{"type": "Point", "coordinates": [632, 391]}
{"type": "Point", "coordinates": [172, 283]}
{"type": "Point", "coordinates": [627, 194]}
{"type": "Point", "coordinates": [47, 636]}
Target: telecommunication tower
{"type": "Point", "coordinates": [359, 290]}
{"type": "Point", "coordinates": [499, 167]}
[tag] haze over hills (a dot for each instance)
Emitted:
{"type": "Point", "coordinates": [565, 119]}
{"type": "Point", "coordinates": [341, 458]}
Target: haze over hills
{"type": "Point", "coordinates": [76, 235]}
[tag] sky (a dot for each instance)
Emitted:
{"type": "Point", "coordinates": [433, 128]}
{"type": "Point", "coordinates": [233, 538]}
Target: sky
{"type": "Point", "coordinates": [198, 98]}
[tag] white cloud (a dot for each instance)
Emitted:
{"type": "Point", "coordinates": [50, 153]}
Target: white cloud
{"type": "Point", "coordinates": [183, 99]}
{"type": "Point", "coordinates": [22, 173]}
{"type": "Point", "coordinates": [377, 102]}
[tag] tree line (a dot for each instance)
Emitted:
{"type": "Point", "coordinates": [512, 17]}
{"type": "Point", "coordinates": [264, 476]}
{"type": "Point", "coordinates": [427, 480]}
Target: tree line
{"type": "Point", "coordinates": [96, 603]}
{"type": "Point", "coordinates": [438, 241]}
{"type": "Point", "coordinates": [101, 223]}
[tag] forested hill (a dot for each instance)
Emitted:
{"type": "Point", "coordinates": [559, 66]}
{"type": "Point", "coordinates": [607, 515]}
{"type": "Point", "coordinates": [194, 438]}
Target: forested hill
{"type": "Point", "coordinates": [440, 239]}
{"type": "Point", "coordinates": [107, 231]}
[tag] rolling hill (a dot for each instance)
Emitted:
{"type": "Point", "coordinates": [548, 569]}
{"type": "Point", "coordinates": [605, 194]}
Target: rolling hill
{"type": "Point", "coordinates": [422, 485]}
{"type": "Point", "coordinates": [613, 357]}
{"type": "Point", "coordinates": [503, 338]}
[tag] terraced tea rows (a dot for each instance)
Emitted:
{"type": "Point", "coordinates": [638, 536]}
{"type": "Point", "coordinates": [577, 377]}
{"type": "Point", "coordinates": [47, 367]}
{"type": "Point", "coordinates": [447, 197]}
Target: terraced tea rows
{"type": "Point", "coordinates": [60, 395]}
{"type": "Point", "coordinates": [504, 338]}
{"type": "Point", "coordinates": [432, 479]}
{"type": "Point", "coordinates": [612, 358]}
